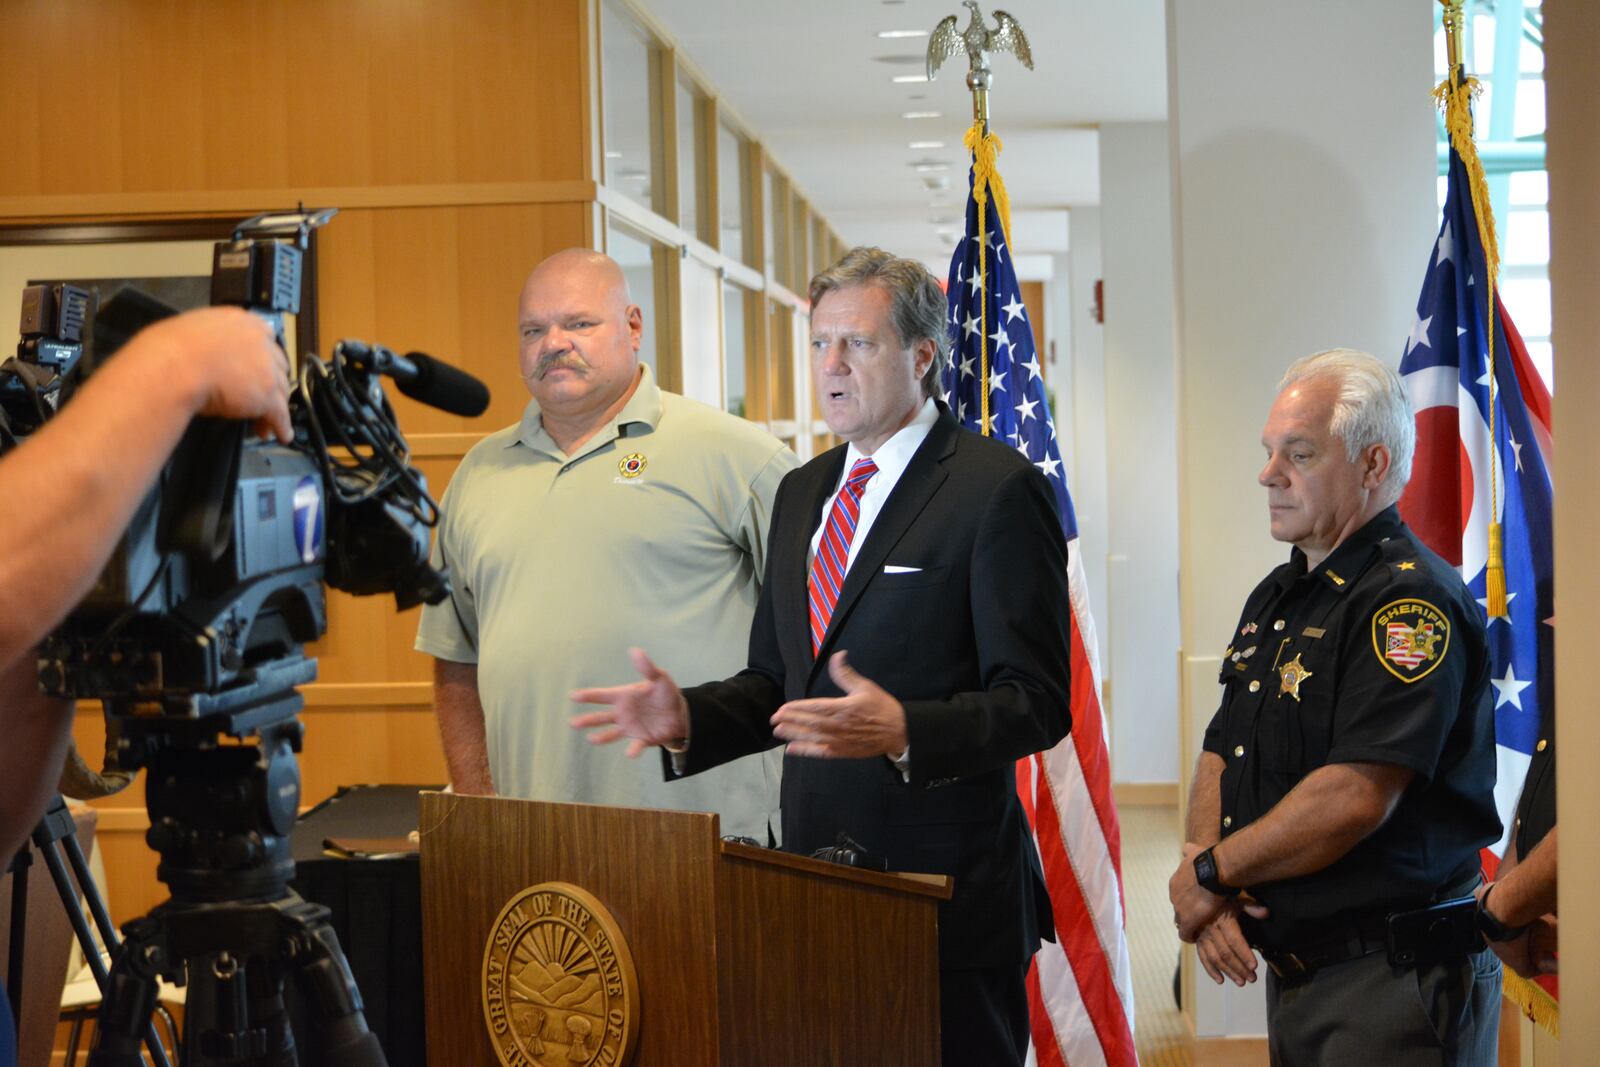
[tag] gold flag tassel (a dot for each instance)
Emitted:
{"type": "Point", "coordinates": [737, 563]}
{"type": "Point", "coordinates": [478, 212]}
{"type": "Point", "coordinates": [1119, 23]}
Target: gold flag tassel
{"type": "Point", "coordinates": [1539, 1006]}
{"type": "Point", "coordinates": [1456, 93]}
{"type": "Point", "coordinates": [984, 147]}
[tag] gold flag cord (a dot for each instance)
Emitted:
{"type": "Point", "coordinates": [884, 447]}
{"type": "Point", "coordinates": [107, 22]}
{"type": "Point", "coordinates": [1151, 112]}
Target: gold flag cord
{"type": "Point", "coordinates": [1455, 94]}
{"type": "Point", "coordinates": [1539, 1006]}
{"type": "Point", "coordinates": [984, 147]}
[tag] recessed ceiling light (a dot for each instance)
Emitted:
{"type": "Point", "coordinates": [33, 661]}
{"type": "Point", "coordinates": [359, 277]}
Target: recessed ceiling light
{"type": "Point", "coordinates": [930, 168]}
{"type": "Point", "coordinates": [913, 60]}
{"type": "Point", "coordinates": [613, 155]}
{"type": "Point", "coordinates": [894, 35]}
{"type": "Point", "coordinates": [921, 115]}
{"type": "Point", "coordinates": [926, 144]}
{"type": "Point", "coordinates": [908, 79]}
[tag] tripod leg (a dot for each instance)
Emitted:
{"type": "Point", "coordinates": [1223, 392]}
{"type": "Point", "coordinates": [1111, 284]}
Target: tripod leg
{"type": "Point", "coordinates": [130, 995]}
{"type": "Point", "coordinates": [80, 925]}
{"type": "Point", "coordinates": [338, 1027]}
{"type": "Point", "coordinates": [19, 928]}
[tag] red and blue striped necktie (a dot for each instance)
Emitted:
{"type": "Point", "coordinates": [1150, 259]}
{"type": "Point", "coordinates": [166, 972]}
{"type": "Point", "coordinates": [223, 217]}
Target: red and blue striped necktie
{"type": "Point", "coordinates": [833, 551]}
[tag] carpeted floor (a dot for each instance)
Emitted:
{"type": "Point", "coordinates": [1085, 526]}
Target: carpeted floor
{"type": "Point", "coordinates": [1150, 843]}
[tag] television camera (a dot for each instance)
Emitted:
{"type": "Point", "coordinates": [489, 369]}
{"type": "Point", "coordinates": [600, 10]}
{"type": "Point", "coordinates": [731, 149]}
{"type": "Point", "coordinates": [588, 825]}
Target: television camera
{"type": "Point", "coordinates": [193, 639]}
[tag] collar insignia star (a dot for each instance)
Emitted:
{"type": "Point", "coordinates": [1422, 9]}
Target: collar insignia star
{"type": "Point", "coordinates": [1290, 675]}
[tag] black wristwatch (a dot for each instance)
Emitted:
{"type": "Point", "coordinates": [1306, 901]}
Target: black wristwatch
{"type": "Point", "coordinates": [1205, 872]}
{"type": "Point", "coordinates": [1493, 928]}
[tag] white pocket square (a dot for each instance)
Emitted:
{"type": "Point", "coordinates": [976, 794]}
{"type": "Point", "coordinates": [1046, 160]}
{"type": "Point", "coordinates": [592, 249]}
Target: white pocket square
{"type": "Point", "coordinates": [894, 568]}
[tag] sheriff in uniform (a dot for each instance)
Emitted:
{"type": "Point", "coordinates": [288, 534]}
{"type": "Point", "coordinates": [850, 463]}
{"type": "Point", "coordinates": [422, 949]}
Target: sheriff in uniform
{"type": "Point", "coordinates": [1346, 783]}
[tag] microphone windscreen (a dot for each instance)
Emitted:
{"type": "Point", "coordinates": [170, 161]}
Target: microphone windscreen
{"type": "Point", "coordinates": [442, 386]}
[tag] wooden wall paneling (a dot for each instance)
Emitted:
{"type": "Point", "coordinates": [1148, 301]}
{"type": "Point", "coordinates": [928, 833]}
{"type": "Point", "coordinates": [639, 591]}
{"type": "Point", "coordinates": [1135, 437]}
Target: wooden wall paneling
{"type": "Point", "coordinates": [711, 178]}
{"type": "Point", "coordinates": [445, 281]}
{"type": "Point", "coordinates": [705, 139]}
{"type": "Point", "coordinates": [781, 365]}
{"type": "Point", "coordinates": [197, 95]}
{"type": "Point", "coordinates": [758, 382]}
{"type": "Point", "coordinates": [668, 280]}
{"type": "Point", "coordinates": [755, 205]}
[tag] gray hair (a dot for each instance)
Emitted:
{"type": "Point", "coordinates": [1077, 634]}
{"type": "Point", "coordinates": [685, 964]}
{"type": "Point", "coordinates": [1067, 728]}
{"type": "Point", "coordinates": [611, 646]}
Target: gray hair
{"type": "Point", "coordinates": [1371, 408]}
{"type": "Point", "coordinates": [917, 305]}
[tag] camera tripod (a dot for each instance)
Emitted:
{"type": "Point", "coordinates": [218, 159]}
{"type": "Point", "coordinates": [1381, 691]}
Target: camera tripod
{"type": "Point", "coordinates": [54, 836]}
{"type": "Point", "coordinates": [223, 790]}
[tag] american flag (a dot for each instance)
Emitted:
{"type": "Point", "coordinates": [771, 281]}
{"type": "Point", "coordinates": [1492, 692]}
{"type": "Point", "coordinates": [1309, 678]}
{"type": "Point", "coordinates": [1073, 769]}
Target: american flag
{"type": "Point", "coordinates": [1080, 989]}
{"type": "Point", "coordinates": [1463, 480]}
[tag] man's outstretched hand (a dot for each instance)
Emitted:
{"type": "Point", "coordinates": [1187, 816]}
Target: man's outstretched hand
{"type": "Point", "coordinates": [865, 722]}
{"type": "Point", "coordinates": [651, 712]}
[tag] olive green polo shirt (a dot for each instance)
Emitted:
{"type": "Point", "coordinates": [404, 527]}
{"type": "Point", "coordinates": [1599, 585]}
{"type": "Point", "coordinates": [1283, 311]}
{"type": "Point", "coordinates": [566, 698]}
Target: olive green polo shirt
{"type": "Point", "coordinates": [652, 534]}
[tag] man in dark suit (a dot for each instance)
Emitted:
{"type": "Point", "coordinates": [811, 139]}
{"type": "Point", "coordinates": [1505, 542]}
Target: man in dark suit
{"type": "Point", "coordinates": [910, 644]}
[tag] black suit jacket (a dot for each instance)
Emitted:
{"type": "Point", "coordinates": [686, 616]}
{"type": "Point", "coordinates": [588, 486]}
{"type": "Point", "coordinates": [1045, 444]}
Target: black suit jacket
{"type": "Point", "coordinates": [974, 643]}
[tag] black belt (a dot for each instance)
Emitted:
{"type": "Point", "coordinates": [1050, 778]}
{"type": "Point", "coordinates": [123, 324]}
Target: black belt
{"type": "Point", "coordinates": [1351, 941]}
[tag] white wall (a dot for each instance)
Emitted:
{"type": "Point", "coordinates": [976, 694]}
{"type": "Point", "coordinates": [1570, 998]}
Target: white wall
{"type": "Point", "coordinates": [1304, 212]}
{"type": "Point", "coordinates": [1080, 412]}
{"type": "Point", "coordinates": [1141, 451]}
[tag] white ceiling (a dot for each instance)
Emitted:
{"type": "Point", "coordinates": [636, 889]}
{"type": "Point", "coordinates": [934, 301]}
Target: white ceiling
{"type": "Point", "coordinates": [811, 81]}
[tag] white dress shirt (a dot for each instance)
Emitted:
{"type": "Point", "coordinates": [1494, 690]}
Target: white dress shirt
{"type": "Point", "coordinates": [892, 458]}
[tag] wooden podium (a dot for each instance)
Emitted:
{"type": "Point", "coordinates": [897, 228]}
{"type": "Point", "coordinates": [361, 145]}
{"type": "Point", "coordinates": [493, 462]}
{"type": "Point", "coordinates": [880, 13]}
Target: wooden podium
{"type": "Point", "coordinates": [744, 955]}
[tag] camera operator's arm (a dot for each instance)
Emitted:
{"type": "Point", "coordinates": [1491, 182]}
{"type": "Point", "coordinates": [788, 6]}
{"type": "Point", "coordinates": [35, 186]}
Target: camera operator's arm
{"type": "Point", "coordinates": [71, 488]}
{"type": "Point", "coordinates": [461, 730]}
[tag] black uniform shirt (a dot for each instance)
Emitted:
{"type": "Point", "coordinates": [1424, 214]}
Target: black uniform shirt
{"type": "Point", "coordinates": [1378, 656]}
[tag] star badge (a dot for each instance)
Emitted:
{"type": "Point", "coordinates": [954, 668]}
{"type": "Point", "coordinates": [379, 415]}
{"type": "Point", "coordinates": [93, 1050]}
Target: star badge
{"type": "Point", "coordinates": [1290, 675]}
{"type": "Point", "coordinates": [1407, 566]}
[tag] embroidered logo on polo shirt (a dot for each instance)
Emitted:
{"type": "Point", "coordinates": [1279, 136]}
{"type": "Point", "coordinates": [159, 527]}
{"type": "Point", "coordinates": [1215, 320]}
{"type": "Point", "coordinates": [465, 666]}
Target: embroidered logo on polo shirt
{"type": "Point", "coordinates": [632, 465]}
{"type": "Point", "coordinates": [1410, 638]}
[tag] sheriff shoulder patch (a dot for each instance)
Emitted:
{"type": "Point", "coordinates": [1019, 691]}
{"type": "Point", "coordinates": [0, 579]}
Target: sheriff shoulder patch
{"type": "Point", "coordinates": [1410, 638]}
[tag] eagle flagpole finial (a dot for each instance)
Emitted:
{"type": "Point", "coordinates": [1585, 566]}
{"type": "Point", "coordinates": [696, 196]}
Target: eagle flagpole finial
{"type": "Point", "coordinates": [977, 40]}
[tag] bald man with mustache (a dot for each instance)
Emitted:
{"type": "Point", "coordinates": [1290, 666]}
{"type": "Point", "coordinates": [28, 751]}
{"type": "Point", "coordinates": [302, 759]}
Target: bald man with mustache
{"type": "Point", "coordinates": [611, 510]}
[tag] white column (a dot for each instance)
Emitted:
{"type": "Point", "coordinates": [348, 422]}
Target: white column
{"type": "Point", "coordinates": [1080, 412]}
{"type": "Point", "coordinates": [1304, 215]}
{"type": "Point", "coordinates": [1572, 36]}
{"type": "Point", "coordinates": [1141, 452]}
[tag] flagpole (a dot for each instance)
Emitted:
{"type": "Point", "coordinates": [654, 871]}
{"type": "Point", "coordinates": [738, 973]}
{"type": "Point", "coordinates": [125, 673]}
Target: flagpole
{"type": "Point", "coordinates": [1455, 93]}
{"type": "Point", "coordinates": [1453, 16]}
{"type": "Point", "coordinates": [979, 80]}
{"type": "Point", "coordinates": [977, 41]}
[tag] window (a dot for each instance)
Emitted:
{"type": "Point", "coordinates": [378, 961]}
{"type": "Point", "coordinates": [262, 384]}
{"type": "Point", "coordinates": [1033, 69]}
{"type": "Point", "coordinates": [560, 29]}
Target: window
{"type": "Point", "coordinates": [730, 194]}
{"type": "Point", "coordinates": [628, 91]}
{"type": "Point", "coordinates": [735, 348]}
{"type": "Point", "coordinates": [637, 255]}
{"type": "Point", "coordinates": [691, 117]}
{"type": "Point", "coordinates": [779, 255]}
